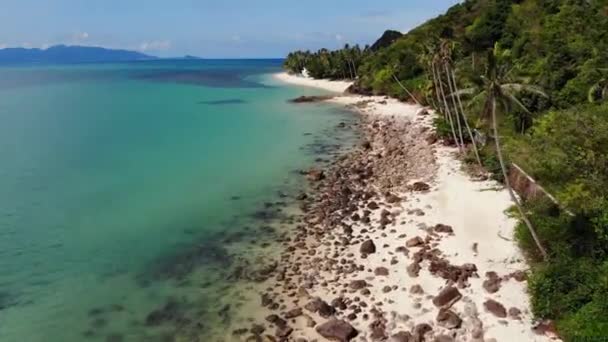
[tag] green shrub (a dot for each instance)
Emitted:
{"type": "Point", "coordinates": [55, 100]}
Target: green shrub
{"type": "Point", "coordinates": [562, 286]}
{"type": "Point", "coordinates": [442, 128]}
{"type": "Point", "coordinates": [591, 321]}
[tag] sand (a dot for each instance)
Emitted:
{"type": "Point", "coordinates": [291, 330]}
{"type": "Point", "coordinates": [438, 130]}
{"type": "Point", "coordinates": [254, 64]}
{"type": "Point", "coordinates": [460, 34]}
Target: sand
{"type": "Point", "coordinates": [482, 235]}
{"type": "Point", "coordinates": [333, 86]}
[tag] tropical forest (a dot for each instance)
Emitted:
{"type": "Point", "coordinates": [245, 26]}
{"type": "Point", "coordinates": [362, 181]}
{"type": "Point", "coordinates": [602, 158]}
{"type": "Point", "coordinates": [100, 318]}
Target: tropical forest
{"type": "Point", "coordinates": [515, 84]}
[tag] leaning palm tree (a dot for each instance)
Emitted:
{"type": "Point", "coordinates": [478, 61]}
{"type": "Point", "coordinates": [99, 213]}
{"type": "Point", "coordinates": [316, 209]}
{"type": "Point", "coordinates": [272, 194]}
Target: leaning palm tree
{"type": "Point", "coordinates": [446, 51]}
{"type": "Point", "coordinates": [409, 93]}
{"type": "Point", "coordinates": [499, 88]}
{"type": "Point", "coordinates": [436, 66]}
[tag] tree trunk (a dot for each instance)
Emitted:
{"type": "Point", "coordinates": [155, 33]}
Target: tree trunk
{"type": "Point", "coordinates": [457, 114]}
{"type": "Point", "coordinates": [355, 69]}
{"type": "Point", "coordinates": [436, 86]}
{"type": "Point", "coordinates": [466, 121]}
{"type": "Point", "coordinates": [542, 250]}
{"type": "Point", "coordinates": [448, 113]}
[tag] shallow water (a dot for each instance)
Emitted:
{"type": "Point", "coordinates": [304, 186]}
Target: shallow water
{"type": "Point", "coordinates": [127, 188]}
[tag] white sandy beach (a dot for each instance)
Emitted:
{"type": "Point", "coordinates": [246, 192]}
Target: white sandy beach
{"type": "Point", "coordinates": [482, 235]}
{"type": "Point", "coordinates": [333, 86]}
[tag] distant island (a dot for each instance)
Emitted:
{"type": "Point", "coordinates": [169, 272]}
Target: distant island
{"type": "Point", "coordinates": [69, 54]}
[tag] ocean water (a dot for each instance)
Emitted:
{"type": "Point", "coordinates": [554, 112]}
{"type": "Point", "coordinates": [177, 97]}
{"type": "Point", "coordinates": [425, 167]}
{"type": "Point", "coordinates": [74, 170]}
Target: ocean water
{"type": "Point", "coordinates": [127, 189]}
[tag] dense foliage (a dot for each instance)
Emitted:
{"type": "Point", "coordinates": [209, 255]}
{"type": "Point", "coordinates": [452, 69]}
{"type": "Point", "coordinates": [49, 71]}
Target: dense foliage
{"type": "Point", "coordinates": [338, 64]}
{"type": "Point", "coordinates": [561, 47]}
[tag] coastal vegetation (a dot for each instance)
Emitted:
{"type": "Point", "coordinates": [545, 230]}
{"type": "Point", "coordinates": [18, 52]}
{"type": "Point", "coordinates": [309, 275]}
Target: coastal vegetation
{"type": "Point", "coordinates": [516, 82]}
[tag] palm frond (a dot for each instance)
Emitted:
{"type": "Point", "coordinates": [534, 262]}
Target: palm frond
{"type": "Point", "coordinates": [463, 92]}
{"type": "Point", "coordinates": [518, 103]}
{"type": "Point", "coordinates": [518, 87]}
{"type": "Point", "coordinates": [478, 98]}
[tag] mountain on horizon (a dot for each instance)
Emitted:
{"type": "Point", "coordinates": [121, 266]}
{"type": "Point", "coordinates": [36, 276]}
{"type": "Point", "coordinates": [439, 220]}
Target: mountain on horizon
{"type": "Point", "coordinates": [69, 54]}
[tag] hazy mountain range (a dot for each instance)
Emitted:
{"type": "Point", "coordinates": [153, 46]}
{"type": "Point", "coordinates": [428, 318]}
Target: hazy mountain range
{"type": "Point", "coordinates": [71, 54]}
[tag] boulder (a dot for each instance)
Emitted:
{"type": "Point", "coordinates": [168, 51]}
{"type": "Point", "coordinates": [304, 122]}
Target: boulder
{"type": "Point", "coordinates": [315, 175]}
{"type": "Point", "coordinates": [495, 308]}
{"type": "Point", "coordinates": [319, 306]}
{"type": "Point", "coordinates": [519, 276]}
{"type": "Point", "coordinates": [448, 319]}
{"type": "Point", "coordinates": [373, 205]}
{"type": "Point", "coordinates": [391, 198]}
{"type": "Point", "coordinates": [402, 336]}
{"type": "Point", "coordinates": [515, 313]}
{"type": "Point", "coordinates": [416, 289]}
{"type": "Point", "coordinates": [293, 313]}
{"type": "Point", "coordinates": [357, 284]}
{"type": "Point", "coordinates": [414, 242]}
{"type": "Point", "coordinates": [381, 271]}
{"type": "Point", "coordinates": [443, 228]}
{"type": "Point", "coordinates": [447, 297]}
{"type": "Point", "coordinates": [492, 284]}
{"type": "Point", "coordinates": [310, 99]}
{"type": "Point", "coordinates": [420, 330]}
{"type": "Point", "coordinates": [337, 330]}
{"type": "Point", "coordinates": [276, 320]}
{"type": "Point", "coordinates": [414, 269]}
{"type": "Point", "coordinates": [283, 332]}
{"type": "Point", "coordinates": [368, 247]}
{"type": "Point", "coordinates": [420, 186]}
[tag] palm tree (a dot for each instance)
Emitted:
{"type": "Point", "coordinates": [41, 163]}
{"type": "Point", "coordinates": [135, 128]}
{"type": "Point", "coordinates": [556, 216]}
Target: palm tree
{"type": "Point", "coordinates": [500, 88]}
{"type": "Point", "coordinates": [435, 64]}
{"type": "Point", "coordinates": [409, 93]}
{"type": "Point", "coordinates": [446, 58]}
{"type": "Point", "coordinates": [465, 119]}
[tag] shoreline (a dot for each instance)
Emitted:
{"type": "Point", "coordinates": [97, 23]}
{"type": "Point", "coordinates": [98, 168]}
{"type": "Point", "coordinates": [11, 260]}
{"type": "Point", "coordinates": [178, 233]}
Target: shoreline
{"type": "Point", "coordinates": [396, 241]}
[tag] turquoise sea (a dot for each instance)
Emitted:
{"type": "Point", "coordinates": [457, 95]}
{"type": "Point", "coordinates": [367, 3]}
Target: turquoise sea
{"type": "Point", "coordinates": [126, 188]}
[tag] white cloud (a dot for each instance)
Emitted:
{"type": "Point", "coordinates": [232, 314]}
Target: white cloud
{"type": "Point", "coordinates": [339, 37]}
{"type": "Point", "coordinates": [3, 46]}
{"type": "Point", "coordinates": [79, 38]}
{"type": "Point", "coordinates": [155, 45]}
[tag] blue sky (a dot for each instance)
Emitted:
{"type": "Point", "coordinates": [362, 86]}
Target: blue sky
{"type": "Point", "coordinates": [213, 29]}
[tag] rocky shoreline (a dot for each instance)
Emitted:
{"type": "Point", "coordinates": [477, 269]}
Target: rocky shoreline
{"type": "Point", "coordinates": [365, 260]}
